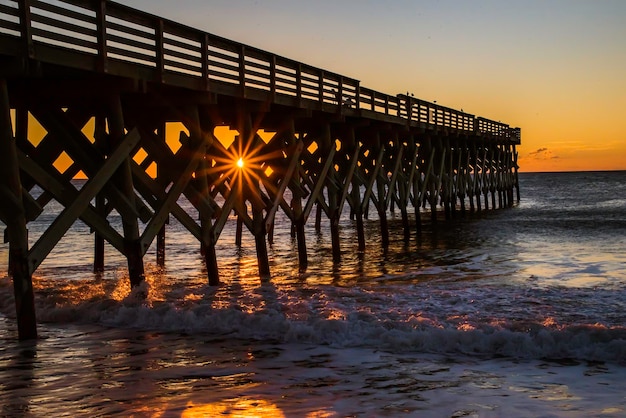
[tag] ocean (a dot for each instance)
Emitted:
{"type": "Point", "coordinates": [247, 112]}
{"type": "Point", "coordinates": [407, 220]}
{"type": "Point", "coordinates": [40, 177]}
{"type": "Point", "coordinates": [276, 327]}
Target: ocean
{"type": "Point", "coordinates": [519, 312]}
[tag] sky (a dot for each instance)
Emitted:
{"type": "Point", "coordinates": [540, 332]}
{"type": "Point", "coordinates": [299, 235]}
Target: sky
{"type": "Point", "coordinates": [554, 68]}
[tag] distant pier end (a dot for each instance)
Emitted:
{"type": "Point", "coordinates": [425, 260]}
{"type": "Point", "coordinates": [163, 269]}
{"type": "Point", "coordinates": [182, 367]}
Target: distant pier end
{"type": "Point", "coordinates": [105, 82]}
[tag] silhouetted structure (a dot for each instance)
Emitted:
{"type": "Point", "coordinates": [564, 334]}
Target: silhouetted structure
{"type": "Point", "coordinates": [125, 74]}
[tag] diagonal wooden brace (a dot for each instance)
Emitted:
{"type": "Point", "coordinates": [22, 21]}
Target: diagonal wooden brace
{"type": "Point", "coordinates": [295, 159]}
{"type": "Point", "coordinates": [346, 185]}
{"type": "Point", "coordinates": [66, 195]}
{"type": "Point", "coordinates": [64, 221]}
{"type": "Point", "coordinates": [160, 217]}
{"type": "Point", "coordinates": [321, 180]}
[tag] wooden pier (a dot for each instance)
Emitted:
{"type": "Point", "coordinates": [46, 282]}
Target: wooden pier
{"type": "Point", "coordinates": [106, 82]}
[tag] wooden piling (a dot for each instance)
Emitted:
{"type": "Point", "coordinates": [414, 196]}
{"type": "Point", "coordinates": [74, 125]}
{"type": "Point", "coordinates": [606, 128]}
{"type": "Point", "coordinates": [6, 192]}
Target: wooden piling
{"type": "Point", "coordinates": [298, 223]}
{"type": "Point", "coordinates": [98, 258]}
{"type": "Point", "coordinates": [14, 216]}
{"type": "Point", "coordinates": [318, 218]}
{"type": "Point", "coordinates": [130, 225]}
{"type": "Point", "coordinates": [259, 232]}
{"type": "Point", "coordinates": [160, 239]}
{"type": "Point", "coordinates": [239, 231]}
{"type": "Point", "coordinates": [201, 130]}
{"type": "Point", "coordinates": [100, 137]}
{"type": "Point", "coordinates": [410, 184]}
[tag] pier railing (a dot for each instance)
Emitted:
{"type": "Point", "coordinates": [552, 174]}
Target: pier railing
{"type": "Point", "coordinates": [108, 37]}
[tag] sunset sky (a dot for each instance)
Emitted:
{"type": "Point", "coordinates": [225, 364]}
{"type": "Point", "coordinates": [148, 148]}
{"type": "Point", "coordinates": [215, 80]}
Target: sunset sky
{"type": "Point", "coordinates": [557, 69]}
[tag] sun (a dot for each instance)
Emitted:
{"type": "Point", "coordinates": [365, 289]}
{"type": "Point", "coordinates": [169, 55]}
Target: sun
{"type": "Point", "coordinates": [240, 162]}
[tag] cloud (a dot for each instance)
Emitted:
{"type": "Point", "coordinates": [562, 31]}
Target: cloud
{"type": "Point", "coordinates": [542, 154]}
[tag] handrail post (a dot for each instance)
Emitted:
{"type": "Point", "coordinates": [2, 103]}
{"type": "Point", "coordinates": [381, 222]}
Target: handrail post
{"type": "Point", "coordinates": [320, 92]}
{"type": "Point", "coordinates": [299, 83]}
{"type": "Point", "coordinates": [205, 61]}
{"type": "Point", "coordinates": [242, 70]}
{"type": "Point", "coordinates": [273, 77]}
{"type": "Point", "coordinates": [26, 28]}
{"type": "Point", "coordinates": [159, 49]}
{"type": "Point", "coordinates": [101, 28]}
{"type": "Point", "coordinates": [357, 97]}
{"type": "Point", "coordinates": [340, 94]}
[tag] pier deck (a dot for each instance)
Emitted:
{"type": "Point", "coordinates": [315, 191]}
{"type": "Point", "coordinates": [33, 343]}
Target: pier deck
{"type": "Point", "coordinates": [106, 82]}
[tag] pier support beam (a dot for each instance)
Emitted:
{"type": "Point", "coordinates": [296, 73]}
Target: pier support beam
{"type": "Point", "coordinates": [100, 137]}
{"type": "Point", "coordinates": [258, 224]}
{"type": "Point", "coordinates": [516, 174]}
{"type": "Point", "coordinates": [334, 224]}
{"type": "Point", "coordinates": [160, 238]}
{"type": "Point", "coordinates": [14, 216]}
{"type": "Point", "coordinates": [379, 198]}
{"type": "Point", "coordinates": [296, 204]}
{"type": "Point", "coordinates": [357, 207]}
{"type": "Point", "coordinates": [251, 188]}
{"type": "Point", "coordinates": [407, 177]}
{"type": "Point", "coordinates": [98, 251]}
{"type": "Point", "coordinates": [446, 178]}
{"type": "Point", "coordinates": [124, 180]}
{"type": "Point", "coordinates": [201, 129]}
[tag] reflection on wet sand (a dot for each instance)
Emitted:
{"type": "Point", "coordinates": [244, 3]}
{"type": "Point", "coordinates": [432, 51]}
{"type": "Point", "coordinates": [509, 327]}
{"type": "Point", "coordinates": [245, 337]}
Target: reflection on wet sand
{"type": "Point", "coordinates": [132, 372]}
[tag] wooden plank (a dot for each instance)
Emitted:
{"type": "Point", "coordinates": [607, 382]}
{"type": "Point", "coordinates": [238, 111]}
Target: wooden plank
{"type": "Point", "coordinates": [65, 25]}
{"type": "Point", "coordinates": [186, 34]}
{"type": "Point", "coordinates": [128, 55]}
{"type": "Point", "coordinates": [10, 11]}
{"type": "Point", "coordinates": [190, 70]}
{"type": "Point", "coordinates": [184, 55]}
{"type": "Point", "coordinates": [61, 11]}
{"type": "Point", "coordinates": [144, 45]}
{"type": "Point", "coordinates": [193, 49]}
{"type": "Point", "coordinates": [148, 36]}
{"type": "Point", "coordinates": [129, 15]}
{"type": "Point", "coordinates": [225, 65]}
{"type": "Point", "coordinates": [52, 37]}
